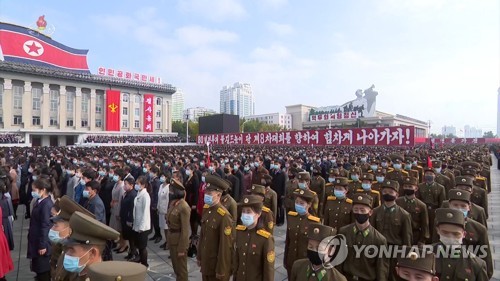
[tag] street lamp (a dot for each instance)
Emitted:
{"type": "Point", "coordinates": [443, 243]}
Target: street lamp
{"type": "Point", "coordinates": [243, 126]}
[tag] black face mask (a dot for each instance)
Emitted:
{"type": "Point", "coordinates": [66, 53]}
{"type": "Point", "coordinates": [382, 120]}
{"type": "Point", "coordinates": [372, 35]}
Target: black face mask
{"type": "Point", "coordinates": [313, 257]}
{"type": "Point", "coordinates": [361, 218]}
{"type": "Point", "coordinates": [409, 192]}
{"type": "Point", "coordinates": [388, 197]}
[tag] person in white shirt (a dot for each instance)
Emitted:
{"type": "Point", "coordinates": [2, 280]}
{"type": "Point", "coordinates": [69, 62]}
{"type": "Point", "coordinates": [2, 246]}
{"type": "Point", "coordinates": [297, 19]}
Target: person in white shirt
{"type": "Point", "coordinates": [142, 219]}
{"type": "Point", "coordinates": [163, 206]}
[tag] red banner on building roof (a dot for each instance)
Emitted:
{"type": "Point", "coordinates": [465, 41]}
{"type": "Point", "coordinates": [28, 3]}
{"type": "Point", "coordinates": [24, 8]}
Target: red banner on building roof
{"type": "Point", "coordinates": [380, 136]}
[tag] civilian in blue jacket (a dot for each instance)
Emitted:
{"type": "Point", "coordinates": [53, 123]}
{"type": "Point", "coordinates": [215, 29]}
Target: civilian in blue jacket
{"type": "Point", "coordinates": [39, 248]}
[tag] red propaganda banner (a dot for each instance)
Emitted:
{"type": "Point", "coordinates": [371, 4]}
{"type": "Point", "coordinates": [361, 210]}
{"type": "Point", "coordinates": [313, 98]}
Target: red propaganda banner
{"type": "Point", "coordinates": [148, 113]}
{"type": "Point", "coordinates": [113, 110]}
{"type": "Point", "coordinates": [24, 45]}
{"type": "Point", "coordinates": [380, 136]}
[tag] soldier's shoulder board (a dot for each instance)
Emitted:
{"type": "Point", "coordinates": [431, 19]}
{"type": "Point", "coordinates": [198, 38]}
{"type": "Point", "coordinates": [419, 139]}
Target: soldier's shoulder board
{"type": "Point", "coordinates": [329, 184]}
{"type": "Point", "coordinates": [349, 201]}
{"type": "Point", "coordinates": [313, 192]}
{"type": "Point", "coordinates": [349, 181]}
{"type": "Point", "coordinates": [359, 190]}
{"type": "Point", "coordinates": [375, 192]}
{"type": "Point", "coordinates": [313, 218]}
{"type": "Point", "coordinates": [404, 172]}
{"type": "Point", "coordinates": [241, 227]}
{"type": "Point", "coordinates": [266, 209]}
{"type": "Point", "coordinates": [331, 198]}
{"type": "Point", "coordinates": [263, 233]}
{"type": "Point", "coordinates": [292, 213]}
{"type": "Point", "coordinates": [221, 211]}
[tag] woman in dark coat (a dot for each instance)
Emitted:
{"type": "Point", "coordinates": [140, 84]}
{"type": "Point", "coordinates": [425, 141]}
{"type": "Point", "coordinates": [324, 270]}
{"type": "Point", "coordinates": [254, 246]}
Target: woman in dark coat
{"type": "Point", "coordinates": [127, 216]}
{"type": "Point", "coordinates": [39, 248]}
{"type": "Point", "coordinates": [5, 205]}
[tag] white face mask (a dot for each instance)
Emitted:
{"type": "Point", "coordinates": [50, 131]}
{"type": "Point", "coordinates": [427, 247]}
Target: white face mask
{"type": "Point", "coordinates": [450, 241]}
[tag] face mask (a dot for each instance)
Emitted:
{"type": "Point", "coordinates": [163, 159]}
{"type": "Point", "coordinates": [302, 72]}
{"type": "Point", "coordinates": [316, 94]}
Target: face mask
{"type": "Point", "coordinates": [211, 169]}
{"type": "Point", "coordinates": [137, 187]}
{"type": "Point", "coordinates": [339, 194]}
{"type": "Point", "coordinates": [35, 195]}
{"type": "Point", "coordinates": [102, 173]}
{"type": "Point", "coordinates": [115, 178]}
{"type": "Point", "coordinates": [246, 169]}
{"type": "Point", "coordinates": [366, 186]}
{"type": "Point", "coordinates": [429, 179]}
{"type": "Point", "coordinates": [314, 258]}
{"type": "Point", "coordinates": [236, 167]}
{"type": "Point", "coordinates": [86, 194]}
{"type": "Point", "coordinates": [144, 170]}
{"type": "Point", "coordinates": [380, 179]}
{"type": "Point", "coordinates": [450, 241]}
{"type": "Point", "coordinates": [363, 159]}
{"type": "Point", "coordinates": [330, 180]}
{"type": "Point", "coordinates": [256, 164]}
{"type": "Point", "coordinates": [54, 236]}
{"type": "Point", "coordinates": [208, 199]}
{"type": "Point", "coordinates": [397, 166]}
{"type": "Point", "coordinates": [82, 182]}
{"type": "Point", "coordinates": [272, 167]}
{"type": "Point", "coordinates": [409, 192]}
{"type": "Point", "coordinates": [302, 185]}
{"type": "Point", "coordinates": [202, 164]}
{"type": "Point", "coordinates": [466, 212]}
{"type": "Point", "coordinates": [384, 164]}
{"type": "Point", "coordinates": [72, 264]}
{"type": "Point", "coordinates": [361, 218]}
{"type": "Point", "coordinates": [354, 177]}
{"type": "Point", "coordinates": [300, 209]}
{"type": "Point", "coordinates": [151, 175]}
{"type": "Point", "coordinates": [203, 178]}
{"type": "Point", "coordinates": [388, 197]}
{"type": "Point", "coordinates": [188, 173]}
{"type": "Point", "coordinates": [75, 162]}
{"type": "Point", "coordinates": [34, 178]}
{"type": "Point", "coordinates": [247, 219]}
{"type": "Point", "coordinates": [374, 167]}
{"type": "Point", "coordinates": [162, 179]}
{"type": "Point", "coordinates": [438, 170]}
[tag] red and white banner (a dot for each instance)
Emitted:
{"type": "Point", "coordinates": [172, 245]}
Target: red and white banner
{"type": "Point", "coordinates": [334, 116]}
{"type": "Point", "coordinates": [148, 113]}
{"type": "Point", "coordinates": [128, 75]}
{"type": "Point", "coordinates": [113, 111]}
{"type": "Point", "coordinates": [380, 136]}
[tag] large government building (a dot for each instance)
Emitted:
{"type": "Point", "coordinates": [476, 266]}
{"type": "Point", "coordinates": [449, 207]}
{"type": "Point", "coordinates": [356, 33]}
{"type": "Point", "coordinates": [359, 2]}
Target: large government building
{"type": "Point", "coordinates": [57, 103]}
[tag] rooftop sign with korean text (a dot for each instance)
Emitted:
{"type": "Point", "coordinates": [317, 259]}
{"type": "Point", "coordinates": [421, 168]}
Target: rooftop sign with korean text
{"type": "Point", "coordinates": [134, 76]}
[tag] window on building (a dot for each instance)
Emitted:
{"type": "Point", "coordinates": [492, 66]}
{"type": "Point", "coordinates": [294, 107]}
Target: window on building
{"type": "Point", "coordinates": [69, 122]}
{"type": "Point", "coordinates": [98, 123]}
{"type": "Point", "coordinates": [53, 121]}
{"type": "Point", "coordinates": [54, 100]}
{"type": "Point", "coordinates": [18, 97]}
{"type": "Point", "coordinates": [70, 102]}
{"type": "Point", "coordinates": [36, 97]}
{"type": "Point", "coordinates": [124, 123]}
{"type": "Point", "coordinates": [158, 101]}
{"type": "Point", "coordinates": [85, 123]}
{"type": "Point", "coordinates": [98, 104]}
{"type": "Point", "coordinates": [125, 111]}
{"type": "Point", "coordinates": [36, 120]}
{"type": "Point", "coordinates": [137, 99]}
{"type": "Point", "coordinates": [158, 125]}
{"type": "Point", "coordinates": [137, 112]}
{"type": "Point", "coordinates": [137, 124]}
{"type": "Point", "coordinates": [158, 113]}
{"type": "Point", "coordinates": [125, 97]}
{"type": "Point", "coordinates": [18, 119]}
{"type": "Point", "coordinates": [85, 102]}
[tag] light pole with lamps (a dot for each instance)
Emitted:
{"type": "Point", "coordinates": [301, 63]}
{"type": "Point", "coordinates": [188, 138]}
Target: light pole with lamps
{"type": "Point", "coordinates": [243, 126]}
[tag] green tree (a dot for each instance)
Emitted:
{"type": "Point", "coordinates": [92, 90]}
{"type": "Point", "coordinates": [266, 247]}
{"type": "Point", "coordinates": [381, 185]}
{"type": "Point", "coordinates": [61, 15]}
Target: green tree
{"type": "Point", "coordinates": [251, 126]}
{"type": "Point", "coordinates": [488, 135]}
{"type": "Point", "coordinates": [179, 127]}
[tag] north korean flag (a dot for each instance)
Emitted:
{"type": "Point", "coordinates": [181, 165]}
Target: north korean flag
{"type": "Point", "coordinates": [21, 44]}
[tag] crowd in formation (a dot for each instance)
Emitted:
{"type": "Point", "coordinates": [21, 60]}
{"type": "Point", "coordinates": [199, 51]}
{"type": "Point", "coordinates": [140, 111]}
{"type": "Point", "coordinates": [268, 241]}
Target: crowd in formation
{"type": "Point", "coordinates": [11, 138]}
{"type": "Point", "coordinates": [131, 139]}
{"type": "Point", "coordinates": [221, 208]}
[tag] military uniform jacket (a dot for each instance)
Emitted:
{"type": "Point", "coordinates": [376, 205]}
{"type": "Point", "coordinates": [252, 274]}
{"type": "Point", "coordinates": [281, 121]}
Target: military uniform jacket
{"type": "Point", "coordinates": [352, 187]}
{"type": "Point", "coordinates": [480, 197]}
{"type": "Point", "coordinates": [433, 196]}
{"type": "Point", "coordinates": [374, 194]}
{"type": "Point", "coordinates": [296, 237]}
{"type": "Point", "coordinates": [445, 181]}
{"type": "Point", "coordinates": [290, 187]}
{"type": "Point", "coordinates": [303, 271]}
{"type": "Point", "coordinates": [420, 171]}
{"type": "Point", "coordinates": [269, 219]}
{"type": "Point", "coordinates": [397, 175]}
{"type": "Point", "coordinates": [338, 212]}
{"type": "Point", "coordinates": [363, 267]}
{"type": "Point", "coordinates": [318, 186]}
{"type": "Point", "coordinates": [60, 273]}
{"type": "Point", "coordinates": [476, 234]}
{"type": "Point", "coordinates": [271, 200]}
{"type": "Point", "coordinates": [230, 205]}
{"type": "Point", "coordinates": [394, 223]}
{"type": "Point", "coordinates": [470, 268]}
{"type": "Point", "coordinates": [413, 173]}
{"type": "Point", "coordinates": [254, 255]}
{"type": "Point", "coordinates": [216, 241]}
{"type": "Point", "coordinates": [178, 225]}
{"type": "Point", "coordinates": [476, 213]}
{"type": "Point", "coordinates": [419, 218]}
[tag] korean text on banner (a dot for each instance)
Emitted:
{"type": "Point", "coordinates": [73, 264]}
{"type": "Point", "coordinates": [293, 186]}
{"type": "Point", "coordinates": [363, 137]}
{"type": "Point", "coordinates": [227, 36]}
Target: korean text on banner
{"type": "Point", "coordinates": [148, 113]}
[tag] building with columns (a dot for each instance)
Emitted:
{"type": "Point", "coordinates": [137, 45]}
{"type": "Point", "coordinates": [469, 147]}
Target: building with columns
{"type": "Point", "coordinates": [54, 107]}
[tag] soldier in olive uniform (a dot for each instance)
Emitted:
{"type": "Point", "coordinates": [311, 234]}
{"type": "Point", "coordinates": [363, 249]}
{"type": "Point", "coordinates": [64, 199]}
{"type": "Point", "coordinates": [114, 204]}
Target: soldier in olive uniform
{"type": "Point", "coordinates": [117, 271]}
{"type": "Point", "coordinates": [386, 163]}
{"type": "Point", "coordinates": [267, 216]}
{"type": "Point", "coordinates": [416, 167]}
{"type": "Point", "coordinates": [85, 245]}
{"type": "Point", "coordinates": [297, 228]}
{"type": "Point", "coordinates": [479, 195]}
{"type": "Point", "coordinates": [331, 179]}
{"type": "Point", "coordinates": [318, 185]}
{"type": "Point", "coordinates": [270, 197]}
{"type": "Point", "coordinates": [362, 233]}
{"type": "Point", "coordinates": [290, 186]}
{"type": "Point", "coordinates": [431, 193]}
{"type": "Point", "coordinates": [216, 241]}
{"type": "Point", "coordinates": [338, 207]}
{"type": "Point", "coordinates": [374, 166]}
{"type": "Point", "coordinates": [417, 210]}
{"type": "Point", "coordinates": [61, 230]}
{"type": "Point", "coordinates": [440, 178]}
{"type": "Point", "coordinates": [177, 219]}
{"type": "Point", "coordinates": [379, 178]}
{"type": "Point", "coordinates": [354, 182]}
{"type": "Point", "coordinates": [398, 173]}
{"type": "Point", "coordinates": [451, 265]}
{"type": "Point", "coordinates": [254, 247]}
{"type": "Point", "coordinates": [304, 183]}
{"type": "Point", "coordinates": [366, 188]}
{"type": "Point", "coordinates": [476, 234]}
{"type": "Point", "coordinates": [408, 167]}
{"type": "Point", "coordinates": [228, 202]}
{"type": "Point", "coordinates": [392, 221]}
{"type": "Point", "coordinates": [313, 268]}
{"type": "Point", "coordinates": [417, 267]}
{"type": "Point", "coordinates": [447, 172]}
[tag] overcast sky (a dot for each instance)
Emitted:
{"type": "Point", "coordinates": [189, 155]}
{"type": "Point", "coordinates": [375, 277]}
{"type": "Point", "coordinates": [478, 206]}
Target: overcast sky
{"type": "Point", "coordinates": [429, 59]}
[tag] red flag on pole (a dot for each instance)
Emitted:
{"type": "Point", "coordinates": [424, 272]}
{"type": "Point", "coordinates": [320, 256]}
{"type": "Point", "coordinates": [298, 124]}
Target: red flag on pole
{"type": "Point", "coordinates": [429, 162]}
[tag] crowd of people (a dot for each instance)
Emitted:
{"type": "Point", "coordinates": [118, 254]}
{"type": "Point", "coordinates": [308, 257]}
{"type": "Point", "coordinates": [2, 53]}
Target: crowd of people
{"type": "Point", "coordinates": [131, 139]}
{"type": "Point", "coordinates": [10, 138]}
{"type": "Point", "coordinates": [222, 206]}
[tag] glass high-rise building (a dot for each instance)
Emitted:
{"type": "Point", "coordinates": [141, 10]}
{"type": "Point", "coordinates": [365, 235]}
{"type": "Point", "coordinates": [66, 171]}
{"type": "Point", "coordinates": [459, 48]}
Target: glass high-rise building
{"type": "Point", "coordinates": [237, 99]}
{"type": "Point", "coordinates": [177, 105]}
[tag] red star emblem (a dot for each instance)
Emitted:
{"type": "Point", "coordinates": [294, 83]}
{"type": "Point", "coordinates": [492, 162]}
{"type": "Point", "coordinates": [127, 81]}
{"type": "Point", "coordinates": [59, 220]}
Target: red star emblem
{"type": "Point", "coordinates": [33, 48]}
